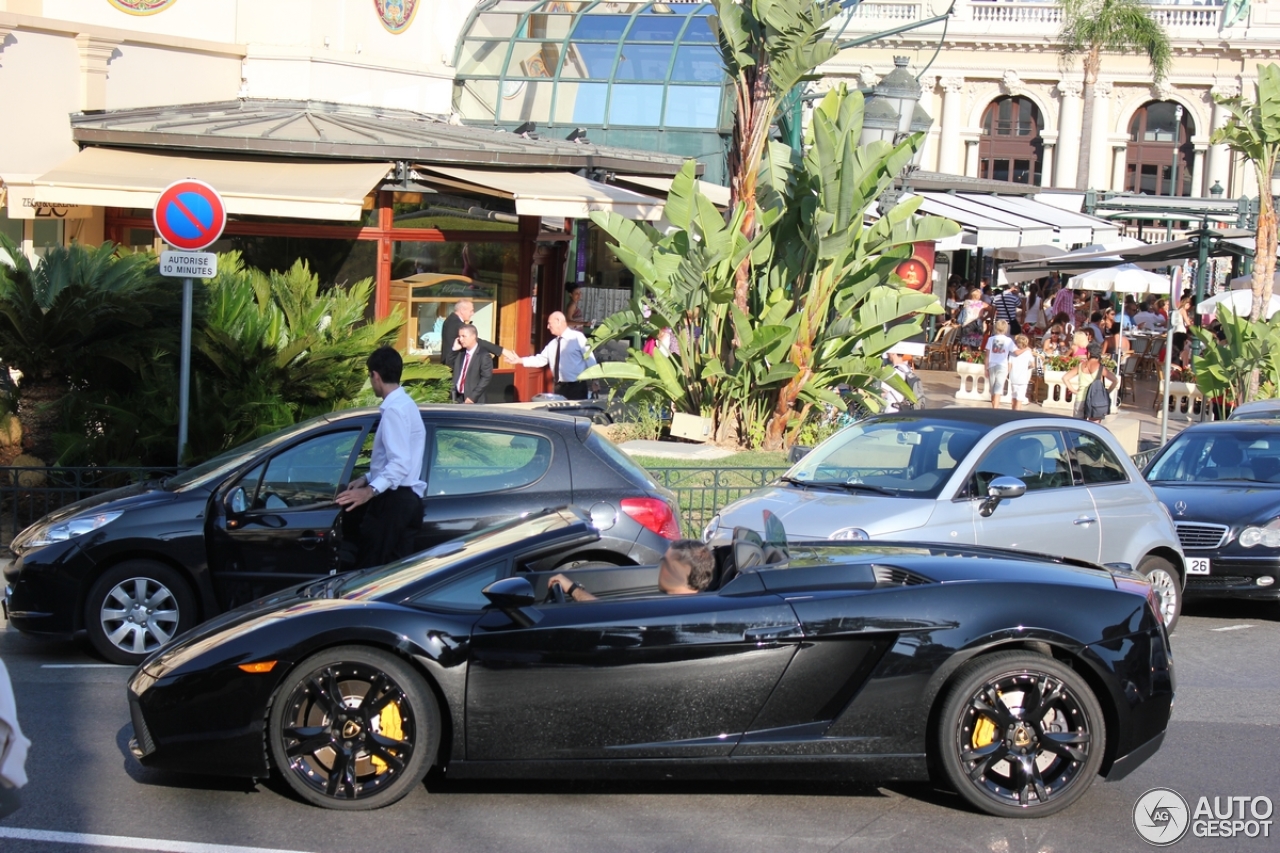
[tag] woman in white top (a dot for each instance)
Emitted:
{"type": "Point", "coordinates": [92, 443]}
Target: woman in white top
{"type": "Point", "coordinates": [999, 348]}
{"type": "Point", "coordinates": [1021, 365]}
{"type": "Point", "coordinates": [1034, 316]}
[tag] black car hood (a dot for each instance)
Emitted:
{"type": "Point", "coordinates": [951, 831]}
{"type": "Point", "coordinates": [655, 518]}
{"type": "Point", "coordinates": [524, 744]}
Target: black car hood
{"type": "Point", "coordinates": [1220, 503]}
{"type": "Point", "coordinates": [126, 497]}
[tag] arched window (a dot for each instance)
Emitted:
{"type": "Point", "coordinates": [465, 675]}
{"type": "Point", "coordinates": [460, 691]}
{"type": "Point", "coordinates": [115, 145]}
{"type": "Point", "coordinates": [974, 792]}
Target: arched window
{"type": "Point", "coordinates": [1011, 148]}
{"type": "Point", "coordinates": [1149, 157]}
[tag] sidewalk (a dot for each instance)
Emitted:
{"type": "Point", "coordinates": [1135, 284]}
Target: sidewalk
{"type": "Point", "coordinates": [940, 393]}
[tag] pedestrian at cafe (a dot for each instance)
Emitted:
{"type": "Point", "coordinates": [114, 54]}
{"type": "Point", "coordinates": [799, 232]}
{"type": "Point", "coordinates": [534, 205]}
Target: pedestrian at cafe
{"type": "Point", "coordinates": [393, 487]}
{"type": "Point", "coordinates": [1080, 377]}
{"type": "Point", "coordinates": [1022, 363]}
{"type": "Point", "coordinates": [1008, 306]}
{"type": "Point", "coordinates": [999, 348]}
{"type": "Point", "coordinates": [972, 320]}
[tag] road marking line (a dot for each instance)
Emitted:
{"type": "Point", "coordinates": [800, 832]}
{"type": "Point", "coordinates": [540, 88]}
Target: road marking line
{"type": "Point", "coordinates": [1232, 628]}
{"type": "Point", "coordinates": [123, 842]}
{"type": "Point", "coordinates": [83, 665]}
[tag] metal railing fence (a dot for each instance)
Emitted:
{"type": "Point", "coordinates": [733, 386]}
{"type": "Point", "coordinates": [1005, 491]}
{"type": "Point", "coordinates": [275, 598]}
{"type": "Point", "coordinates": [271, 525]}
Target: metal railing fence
{"type": "Point", "coordinates": [705, 491]}
{"type": "Point", "coordinates": [28, 494]}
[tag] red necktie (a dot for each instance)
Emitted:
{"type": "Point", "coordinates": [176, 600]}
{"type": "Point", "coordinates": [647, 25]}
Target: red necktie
{"type": "Point", "coordinates": [462, 380]}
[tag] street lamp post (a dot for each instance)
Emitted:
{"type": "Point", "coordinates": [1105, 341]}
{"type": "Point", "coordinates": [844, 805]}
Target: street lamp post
{"type": "Point", "coordinates": [1173, 185]}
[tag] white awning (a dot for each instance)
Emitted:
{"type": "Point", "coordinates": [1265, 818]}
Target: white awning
{"type": "Point", "coordinates": [716, 194]}
{"type": "Point", "coordinates": [307, 189]}
{"type": "Point", "coordinates": [1004, 221]}
{"type": "Point", "coordinates": [558, 194]}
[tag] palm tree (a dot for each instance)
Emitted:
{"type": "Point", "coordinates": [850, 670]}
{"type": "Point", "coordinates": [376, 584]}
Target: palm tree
{"type": "Point", "coordinates": [768, 48]}
{"type": "Point", "coordinates": [1093, 27]}
{"type": "Point", "coordinates": [79, 316]}
{"type": "Point", "coordinates": [1254, 134]}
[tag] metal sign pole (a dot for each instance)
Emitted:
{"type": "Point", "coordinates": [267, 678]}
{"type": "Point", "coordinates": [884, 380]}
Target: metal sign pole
{"type": "Point", "coordinates": [184, 382]}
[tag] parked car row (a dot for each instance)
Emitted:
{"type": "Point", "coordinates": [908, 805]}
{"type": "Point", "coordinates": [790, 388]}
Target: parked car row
{"type": "Point", "coordinates": [135, 567]}
{"type": "Point", "coordinates": [797, 647]}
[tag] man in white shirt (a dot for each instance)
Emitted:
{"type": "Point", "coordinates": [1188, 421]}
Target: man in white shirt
{"type": "Point", "coordinates": [1146, 319]}
{"type": "Point", "coordinates": [567, 354]}
{"type": "Point", "coordinates": [394, 487]}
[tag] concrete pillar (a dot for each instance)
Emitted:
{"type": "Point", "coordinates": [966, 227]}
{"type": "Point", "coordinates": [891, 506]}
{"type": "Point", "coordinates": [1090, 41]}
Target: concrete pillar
{"type": "Point", "coordinates": [1099, 165]}
{"type": "Point", "coordinates": [1118, 158]}
{"type": "Point", "coordinates": [1220, 155]}
{"type": "Point", "coordinates": [971, 157]}
{"type": "Point", "coordinates": [1046, 167]}
{"type": "Point", "coordinates": [949, 145]}
{"type": "Point", "coordinates": [1198, 189]}
{"type": "Point", "coordinates": [1068, 133]}
{"type": "Point", "coordinates": [95, 53]}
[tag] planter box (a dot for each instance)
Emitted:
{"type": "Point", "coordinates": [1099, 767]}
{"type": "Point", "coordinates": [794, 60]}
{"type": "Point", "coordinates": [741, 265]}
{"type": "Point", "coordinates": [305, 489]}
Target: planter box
{"type": "Point", "coordinates": [973, 381]}
{"type": "Point", "coordinates": [1186, 401]}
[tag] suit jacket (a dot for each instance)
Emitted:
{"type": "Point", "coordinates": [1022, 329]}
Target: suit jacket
{"type": "Point", "coordinates": [449, 334]}
{"type": "Point", "coordinates": [479, 374]}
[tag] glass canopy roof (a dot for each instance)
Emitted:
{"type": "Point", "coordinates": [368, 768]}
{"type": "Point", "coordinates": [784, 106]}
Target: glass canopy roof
{"type": "Point", "coordinates": [592, 64]}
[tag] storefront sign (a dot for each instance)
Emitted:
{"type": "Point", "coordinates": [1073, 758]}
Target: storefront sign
{"type": "Point", "coordinates": [917, 271]}
{"type": "Point", "coordinates": [142, 7]}
{"type": "Point", "coordinates": [24, 203]}
{"type": "Point", "coordinates": [188, 264]}
{"type": "Point", "coordinates": [396, 15]}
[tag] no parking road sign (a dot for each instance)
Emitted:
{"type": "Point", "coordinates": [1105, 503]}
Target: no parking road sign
{"type": "Point", "coordinates": [189, 215]}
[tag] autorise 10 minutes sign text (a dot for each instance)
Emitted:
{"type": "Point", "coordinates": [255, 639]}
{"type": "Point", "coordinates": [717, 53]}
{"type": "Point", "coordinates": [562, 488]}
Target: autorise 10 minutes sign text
{"type": "Point", "coordinates": [189, 215]}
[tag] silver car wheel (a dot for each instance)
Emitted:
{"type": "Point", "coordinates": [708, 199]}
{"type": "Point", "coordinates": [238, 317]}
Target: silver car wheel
{"type": "Point", "coordinates": [139, 615]}
{"type": "Point", "coordinates": [1167, 586]}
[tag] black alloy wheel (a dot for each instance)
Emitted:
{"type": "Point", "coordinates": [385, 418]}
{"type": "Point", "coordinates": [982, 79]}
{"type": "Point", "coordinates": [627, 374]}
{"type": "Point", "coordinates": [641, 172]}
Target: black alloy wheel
{"type": "Point", "coordinates": [1020, 735]}
{"type": "Point", "coordinates": [353, 728]}
{"type": "Point", "coordinates": [135, 608]}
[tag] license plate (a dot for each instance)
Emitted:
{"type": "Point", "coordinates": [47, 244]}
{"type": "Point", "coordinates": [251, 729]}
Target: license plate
{"type": "Point", "coordinates": [1197, 565]}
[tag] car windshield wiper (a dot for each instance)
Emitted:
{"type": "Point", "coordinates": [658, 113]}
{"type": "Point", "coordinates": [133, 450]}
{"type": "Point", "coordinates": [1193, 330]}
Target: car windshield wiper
{"type": "Point", "coordinates": [846, 486]}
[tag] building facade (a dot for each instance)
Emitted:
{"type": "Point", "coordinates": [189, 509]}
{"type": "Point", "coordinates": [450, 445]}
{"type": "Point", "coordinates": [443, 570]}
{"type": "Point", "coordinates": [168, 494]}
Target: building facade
{"type": "Point", "coordinates": [1006, 105]}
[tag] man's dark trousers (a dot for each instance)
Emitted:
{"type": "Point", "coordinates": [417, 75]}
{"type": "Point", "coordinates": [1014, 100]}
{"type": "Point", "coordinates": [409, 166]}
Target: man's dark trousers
{"type": "Point", "coordinates": [387, 530]}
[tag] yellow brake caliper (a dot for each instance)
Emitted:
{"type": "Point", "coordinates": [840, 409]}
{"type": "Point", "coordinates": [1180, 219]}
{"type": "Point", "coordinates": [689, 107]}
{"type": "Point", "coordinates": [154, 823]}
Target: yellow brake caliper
{"type": "Point", "coordinates": [390, 725]}
{"type": "Point", "coordinates": [983, 732]}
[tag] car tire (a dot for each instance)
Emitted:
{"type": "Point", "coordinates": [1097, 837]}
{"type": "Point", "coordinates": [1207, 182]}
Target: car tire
{"type": "Point", "coordinates": [1047, 756]}
{"type": "Point", "coordinates": [136, 607]}
{"type": "Point", "coordinates": [1167, 584]}
{"type": "Point", "coordinates": [352, 757]}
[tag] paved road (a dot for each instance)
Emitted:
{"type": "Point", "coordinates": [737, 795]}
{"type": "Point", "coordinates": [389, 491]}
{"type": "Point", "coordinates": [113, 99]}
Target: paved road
{"type": "Point", "coordinates": [1223, 742]}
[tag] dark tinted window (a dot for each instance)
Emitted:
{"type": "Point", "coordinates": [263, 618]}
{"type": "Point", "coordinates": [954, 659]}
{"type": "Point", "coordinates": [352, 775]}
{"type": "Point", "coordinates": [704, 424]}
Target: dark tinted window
{"type": "Point", "coordinates": [618, 461]}
{"type": "Point", "coordinates": [472, 461]}
{"type": "Point", "coordinates": [306, 473]}
{"type": "Point", "coordinates": [1098, 464]}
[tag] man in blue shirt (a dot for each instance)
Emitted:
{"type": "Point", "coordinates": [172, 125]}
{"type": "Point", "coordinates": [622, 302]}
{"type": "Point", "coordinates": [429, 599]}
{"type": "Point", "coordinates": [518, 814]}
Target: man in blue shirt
{"type": "Point", "coordinates": [393, 487]}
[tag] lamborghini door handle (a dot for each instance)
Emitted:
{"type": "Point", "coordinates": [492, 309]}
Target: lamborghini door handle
{"type": "Point", "coordinates": [772, 634]}
{"type": "Point", "coordinates": [1084, 519]}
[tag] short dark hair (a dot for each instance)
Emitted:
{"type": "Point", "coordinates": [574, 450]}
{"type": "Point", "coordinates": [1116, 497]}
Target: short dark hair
{"type": "Point", "coordinates": [1095, 316]}
{"type": "Point", "coordinates": [387, 363]}
{"type": "Point", "coordinates": [467, 327]}
{"type": "Point", "coordinates": [697, 557]}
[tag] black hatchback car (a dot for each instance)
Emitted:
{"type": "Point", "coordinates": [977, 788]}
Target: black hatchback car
{"type": "Point", "coordinates": [1221, 483]}
{"type": "Point", "coordinates": [136, 566]}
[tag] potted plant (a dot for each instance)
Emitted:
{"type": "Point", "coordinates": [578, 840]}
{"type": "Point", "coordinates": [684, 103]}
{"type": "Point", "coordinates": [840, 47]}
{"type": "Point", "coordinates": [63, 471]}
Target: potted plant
{"type": "Point", "coordinates": [1056, 395]}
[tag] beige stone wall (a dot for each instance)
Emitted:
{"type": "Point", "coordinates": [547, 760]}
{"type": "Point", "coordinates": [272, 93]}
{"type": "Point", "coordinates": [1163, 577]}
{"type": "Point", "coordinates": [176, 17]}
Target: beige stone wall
{"type": "Point", "coordinates": [995, 48]}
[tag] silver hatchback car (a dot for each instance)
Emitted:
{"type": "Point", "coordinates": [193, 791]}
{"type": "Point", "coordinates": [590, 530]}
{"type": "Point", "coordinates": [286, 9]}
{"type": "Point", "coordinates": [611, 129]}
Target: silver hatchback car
{"type": "Point", "coordinates": [1040, 483]}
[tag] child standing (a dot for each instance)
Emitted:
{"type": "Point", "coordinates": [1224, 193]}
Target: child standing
{"type": "Point", "coordinates": [1021, 364]}
{"type": "Point", "coordinates": [999, 348]}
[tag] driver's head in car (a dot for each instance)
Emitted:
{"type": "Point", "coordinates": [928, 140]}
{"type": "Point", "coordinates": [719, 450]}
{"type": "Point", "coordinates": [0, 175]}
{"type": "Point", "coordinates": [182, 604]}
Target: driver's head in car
{"type": "Point", "coordinates": [688, 567]}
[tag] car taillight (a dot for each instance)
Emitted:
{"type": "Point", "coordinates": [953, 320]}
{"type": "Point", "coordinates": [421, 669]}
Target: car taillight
{"type": "Point", "coordinates": [655, 514]}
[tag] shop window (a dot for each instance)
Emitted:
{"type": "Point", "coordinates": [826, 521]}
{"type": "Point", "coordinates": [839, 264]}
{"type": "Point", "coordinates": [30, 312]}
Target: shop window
{"type": "Point", "coordinates": [428, 278]}
{"type": "Point", "coordinates": [11, 228]}
{"type": "Point", "coordinates": [1152, 148]}
{"type": "Point", "coordinates": [1011, 148]}
{"type": "Point", "coordinates": [46, 234]}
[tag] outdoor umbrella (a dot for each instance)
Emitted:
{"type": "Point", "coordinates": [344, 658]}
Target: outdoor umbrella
{"type": "Point", "coordinates": [1125, 278]}
{"type": "Point", "coordinates": [1246, 281]}
{"type": "Point", "coordinates": [1237, 302]}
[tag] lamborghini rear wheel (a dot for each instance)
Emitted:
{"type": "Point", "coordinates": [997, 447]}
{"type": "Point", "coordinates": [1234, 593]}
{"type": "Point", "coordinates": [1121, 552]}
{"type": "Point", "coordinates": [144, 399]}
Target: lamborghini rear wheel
{"type": "Point", "coordinates": [353, 728]}
{"type": "Point", "coordinates": [1020, 735]}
